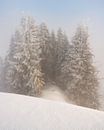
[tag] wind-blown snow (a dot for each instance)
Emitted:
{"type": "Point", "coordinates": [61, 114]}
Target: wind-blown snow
{"type": "Point", "coordinates": [52, 92]}
{"type": "Point", "coordinates": [19, 112]}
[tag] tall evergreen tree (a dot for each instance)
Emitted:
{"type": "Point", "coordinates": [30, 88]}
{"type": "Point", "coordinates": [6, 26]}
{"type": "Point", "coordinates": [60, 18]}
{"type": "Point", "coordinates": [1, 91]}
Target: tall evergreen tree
{"type": "Point", "coordinates": [23, 69]}
{"type": "Point", "coordinates": [1, 64]}
{"type": "Point", "coordinates": [1, 68]}
{"type": "Point", "coordinates": [53, 53]}
{"type": "Point", "coordinates": [83, 84]}
{"type": "Point", "coordinates": [44, 39]}
{"type": "Point", "coordinates": [66, 76]}
{"type": "Point", "coordinates": [62, 46]}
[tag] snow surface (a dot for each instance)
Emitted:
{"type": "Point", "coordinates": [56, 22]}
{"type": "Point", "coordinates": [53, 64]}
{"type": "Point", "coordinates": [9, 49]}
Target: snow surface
{"type": "Point", "coordinates": [19, 112]}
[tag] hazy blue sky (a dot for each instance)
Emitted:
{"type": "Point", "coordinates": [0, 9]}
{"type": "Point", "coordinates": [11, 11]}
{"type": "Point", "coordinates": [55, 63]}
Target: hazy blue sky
{"type": "Point", "coordinates": [56, 13]}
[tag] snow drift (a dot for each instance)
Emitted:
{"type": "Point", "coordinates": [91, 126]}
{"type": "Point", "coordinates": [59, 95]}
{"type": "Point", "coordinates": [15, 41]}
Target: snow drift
{"type": "Point", "coordinates": [19, 112]}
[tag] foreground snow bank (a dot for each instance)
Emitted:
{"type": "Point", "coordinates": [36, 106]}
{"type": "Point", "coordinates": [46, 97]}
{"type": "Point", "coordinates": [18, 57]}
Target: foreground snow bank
{"type": "Point", "coordinates": [28, 113]}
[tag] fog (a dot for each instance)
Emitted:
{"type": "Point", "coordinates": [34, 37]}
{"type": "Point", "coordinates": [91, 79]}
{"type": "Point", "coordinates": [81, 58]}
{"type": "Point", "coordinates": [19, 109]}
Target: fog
{"type": "Point", "coordinates": [9, 21]}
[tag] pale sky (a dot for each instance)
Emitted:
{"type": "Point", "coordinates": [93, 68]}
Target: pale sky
{"type": "Point", "coordinates": [66, 14]}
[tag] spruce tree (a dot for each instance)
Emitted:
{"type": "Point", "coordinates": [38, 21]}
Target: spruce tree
{"type": "Point", "coordinates": [23, 69]}
{"type": "Point", "coordinates": [83, 85]}
{"type": "Point", "coordinates": [53, 53]}
{"type": "Point", "coordinates": [62, 47]}
{"type": "Point", "coordinates": [1, 72]}
{"type": "Point", "coordinates": [44, 39]}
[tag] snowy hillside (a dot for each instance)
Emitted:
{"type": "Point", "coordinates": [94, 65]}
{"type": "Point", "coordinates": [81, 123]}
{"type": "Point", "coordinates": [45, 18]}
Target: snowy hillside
{"type": "Point", "coordinates": [19, 112]}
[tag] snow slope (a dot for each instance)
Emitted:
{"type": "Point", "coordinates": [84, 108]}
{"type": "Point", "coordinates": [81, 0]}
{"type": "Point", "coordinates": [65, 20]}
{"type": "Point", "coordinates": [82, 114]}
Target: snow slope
{"type": "Point", "coordinates": [19, 112]}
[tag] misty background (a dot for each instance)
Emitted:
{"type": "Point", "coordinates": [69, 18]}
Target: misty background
{"type": "Point", "coordinates": [66, 14]}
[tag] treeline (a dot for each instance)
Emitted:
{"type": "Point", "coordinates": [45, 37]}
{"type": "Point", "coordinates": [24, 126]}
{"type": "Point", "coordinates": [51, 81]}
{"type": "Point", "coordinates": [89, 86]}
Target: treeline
{"type": "Point", "coordinates": [37, 56]}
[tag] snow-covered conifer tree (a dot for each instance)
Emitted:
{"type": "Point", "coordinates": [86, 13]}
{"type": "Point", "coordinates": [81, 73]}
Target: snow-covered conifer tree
{"type": "Point", "coordinates": [82, 87]}
{"type": "Point", "coordinates": [23, 69]}
{"type": "Point", "coordinates": [44, 39]}
{"type": "Point", "coordinates": [62, 46]}
{"type": "Point", "coordinates": [1, 64]}
{"type": "Point", "coordinates": [53, 53]}
{"type": "Point", "coordinates": [1, 67]}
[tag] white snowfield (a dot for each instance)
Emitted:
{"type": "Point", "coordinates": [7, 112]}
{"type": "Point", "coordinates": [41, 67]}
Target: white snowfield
{"type": "Point", "coordinates": [19, 112]}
